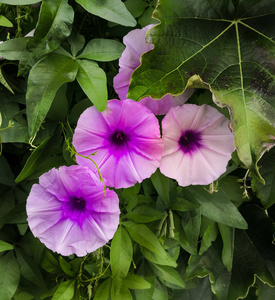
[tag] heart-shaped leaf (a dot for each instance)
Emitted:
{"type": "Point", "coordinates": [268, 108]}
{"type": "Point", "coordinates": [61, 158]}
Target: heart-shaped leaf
{"type": "Point", "coordinates": [228, 46]}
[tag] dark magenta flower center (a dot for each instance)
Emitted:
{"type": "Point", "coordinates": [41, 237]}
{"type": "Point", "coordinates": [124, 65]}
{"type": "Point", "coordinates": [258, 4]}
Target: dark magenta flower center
{"type": "Point", "coordinates": [190, 141]}
{"type": "Point", "coordinates": [78, 204]}
{"type": "Point", "coordinates": [119, 138]}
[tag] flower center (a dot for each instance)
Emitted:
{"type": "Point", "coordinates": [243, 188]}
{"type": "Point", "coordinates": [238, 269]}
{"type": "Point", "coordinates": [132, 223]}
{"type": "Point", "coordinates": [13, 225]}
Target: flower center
{"type": "Point", "coordinates": [119, 138]}
{"type": "Point", "coordinates": [78, 204]}
{"type": "Point", "coordinates": [189, 141]}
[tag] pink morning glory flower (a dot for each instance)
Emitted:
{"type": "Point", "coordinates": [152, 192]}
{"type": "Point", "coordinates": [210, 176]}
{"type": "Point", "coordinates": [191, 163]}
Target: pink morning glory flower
{"type": "Point", "coordinates": [69, 212]}
{"type": "Point", "coordinates": [197, 144]}
{"type": "Point", "coordinates": [130, 59]}
{"type": "Point", "coordinates": [125, 138]}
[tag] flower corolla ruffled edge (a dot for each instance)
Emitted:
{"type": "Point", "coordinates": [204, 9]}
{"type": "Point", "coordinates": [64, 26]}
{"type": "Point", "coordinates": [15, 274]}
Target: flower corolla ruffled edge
{"type": "Point", "coordinates": [125, 139]}
{"type": "Point", "coordinates": [130, 59]}
{"type": "Point", "coordinates": [197, 144]}
{"type": "Point", "coordinates": [69, 212]}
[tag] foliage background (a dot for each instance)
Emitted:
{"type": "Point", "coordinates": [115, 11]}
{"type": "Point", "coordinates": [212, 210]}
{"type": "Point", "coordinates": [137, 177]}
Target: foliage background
{"type": "Point", "coordinates": [213, 242]}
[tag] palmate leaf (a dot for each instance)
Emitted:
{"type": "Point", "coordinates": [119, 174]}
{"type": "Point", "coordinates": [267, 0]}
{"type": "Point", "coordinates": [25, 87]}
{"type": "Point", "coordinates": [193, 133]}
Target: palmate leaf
{"type": "Point", "coordinates": [228, 46]}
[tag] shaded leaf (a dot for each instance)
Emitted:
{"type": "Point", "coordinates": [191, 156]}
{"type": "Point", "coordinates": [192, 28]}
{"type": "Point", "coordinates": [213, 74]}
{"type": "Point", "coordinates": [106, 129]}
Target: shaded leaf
{"type": "Point", "coordinates": [145, 272]}
{"type": "Point", "coordinates": [227, 235]}
{"type": "Point", "coordinates": [29, 269]}
{"type": "Point", "coordinates": [226, 46]}
{"type": "Point", "coordinates": [10, 276]}
{"type": "Point", "coordinates": [54, 25]}
{"type": "Point", "coordinates": [6, 175]}
{"type": "Point", "coordinates": [49, 263]}
{"type": "Point", "coordinates": [45, 78]}
{"type": "Point", "coordinates": [266, 192]}
{"type": "Point", "coordinates": [66, 267]}
{"type": "Point", "coordinates": [111, 10]}
{"type": "Point", "coordinates": [92, 80]}
{"type": "Point", "coordinates": [16, 215]}
{"type": "Point", "coordinates": [102, 50]}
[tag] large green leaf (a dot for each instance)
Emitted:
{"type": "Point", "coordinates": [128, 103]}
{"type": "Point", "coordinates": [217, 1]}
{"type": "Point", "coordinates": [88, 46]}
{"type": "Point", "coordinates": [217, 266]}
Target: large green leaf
{"type": "Point", "coordinates": [103, 291]}
{"type": "Point", "coordinates": [111, 10]}
{"type": "Point", "coordinates": [228, 46]}
{"type": "Point", "coordinates": [10, 276]}
{"type": "Point", "coordinates": [65, 291]}
{"type": "Point", "coordinates": [4, 246]}
{"type": "Point", "coordinates": [92, 80]}
{"type": "Point", "coordinates": [54, 25]}
{"type": "Point", "coordinates": [120, 256]}
{"type": "Point", "coordinates": [45, 79]}
{"type": "Point", "coordinates": [13, 49]}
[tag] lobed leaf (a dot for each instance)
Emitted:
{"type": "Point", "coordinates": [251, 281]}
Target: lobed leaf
{"type": "Point", "coordinates": [227, 46]}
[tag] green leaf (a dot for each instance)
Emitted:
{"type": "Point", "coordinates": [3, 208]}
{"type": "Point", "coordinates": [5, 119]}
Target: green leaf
{"type": "Point", "coordinates": [266, 192]}
{"type": "Point", "coordinates": [6, 175]}
{"type": "Point", "coordinates": [160, 291]}
{"type": "Point", "coordinates": [124, 293]}
{"type": "Point", "coordinates": [265, 292]}
{"type": "Point", "coordinates": [54, 25]}
{"type": "Point", "coordinates": [93, 82]}
{"type": "Point", "coordinates": [191, 224]}
{"type": "Point", "coordinates": [33, 161]}
{"type": "Point", "coordinates": [228, 47]}
{"type": "Point", "coordinates": [19, 2]}
{"type": "Point", "coordinates": [14, 48]}
{"type": "Point", "coordinates": [4, 82]}
{"type": "Point", "coordinates": [4, 246]}
{"type": "Point", "coordinates": [144, 214]}
{"type": "Point", "coordinates": [227, 235]}
{"type": "Point", "coordinates": [10, 112]}
{"type": "Point", "coordinates": [65, 291]}
{"type": "Point", "coordinates": [164, 260]}
{"type": "Point", "coordinates": [209, 233]}
{"type": "Point", "coordinates": [49, 263]}
{"type": "Point", "coordinates": [111, 10]}
{"type": "Point", "coordinates": [102, 50]}
{"type": "Point", "coordinates": [145, 272]}
{"type": "Point", "coordinates": [10, 278]}
{"type": "Point", "coordinates": [29, 269]}
{"type": "Point", "coordinates": [216, 207]}
{"type": "Point", "coordinates": [134, 282]}
{"type": "Point", "coordinates": [141, 234]}
{"type": "Point", "coordinates": [161, 184]}
{"type": "Point", "coordinates": [103, 291]}
{"type": "Point", "coordinates": [66, 267]}
{"type": "Point", "coordinates": [77, 42]}
{"type": "Point", "coordinates": [5, 22]}
{"type": "Point", "coordinates": [183, 205]}
{"type": "Point", "coordinates": [120, 257]}
{"type": "Point", "coordinates": [17, 215]}
{"type": "Point", "coordinates": [168, 274]}
{"type": "Point", "coordinates": [45, 78]}
{"type": "Point", "coordinates": [136, 7]}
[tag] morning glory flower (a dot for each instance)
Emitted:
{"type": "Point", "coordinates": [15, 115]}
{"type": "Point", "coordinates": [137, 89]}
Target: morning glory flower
{"type": "Point", "coordinates": [130, 59]}
{"type": "Point", "coordinates": [69, 212]}
{"type": "Point", "coordinates": [197, 144]}
{"type": "Point", "coordinates": [125, 139]}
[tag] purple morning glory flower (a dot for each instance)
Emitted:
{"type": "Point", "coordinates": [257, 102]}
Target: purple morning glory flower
{"type": "Point", "coordinates": [125, 138]}
{"type": "Point", "coordinates": [197, 144]}
{"type": "Point", "coordinates": [130, 59]}
{"type": "Point", "coordinates": [69, 213]}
